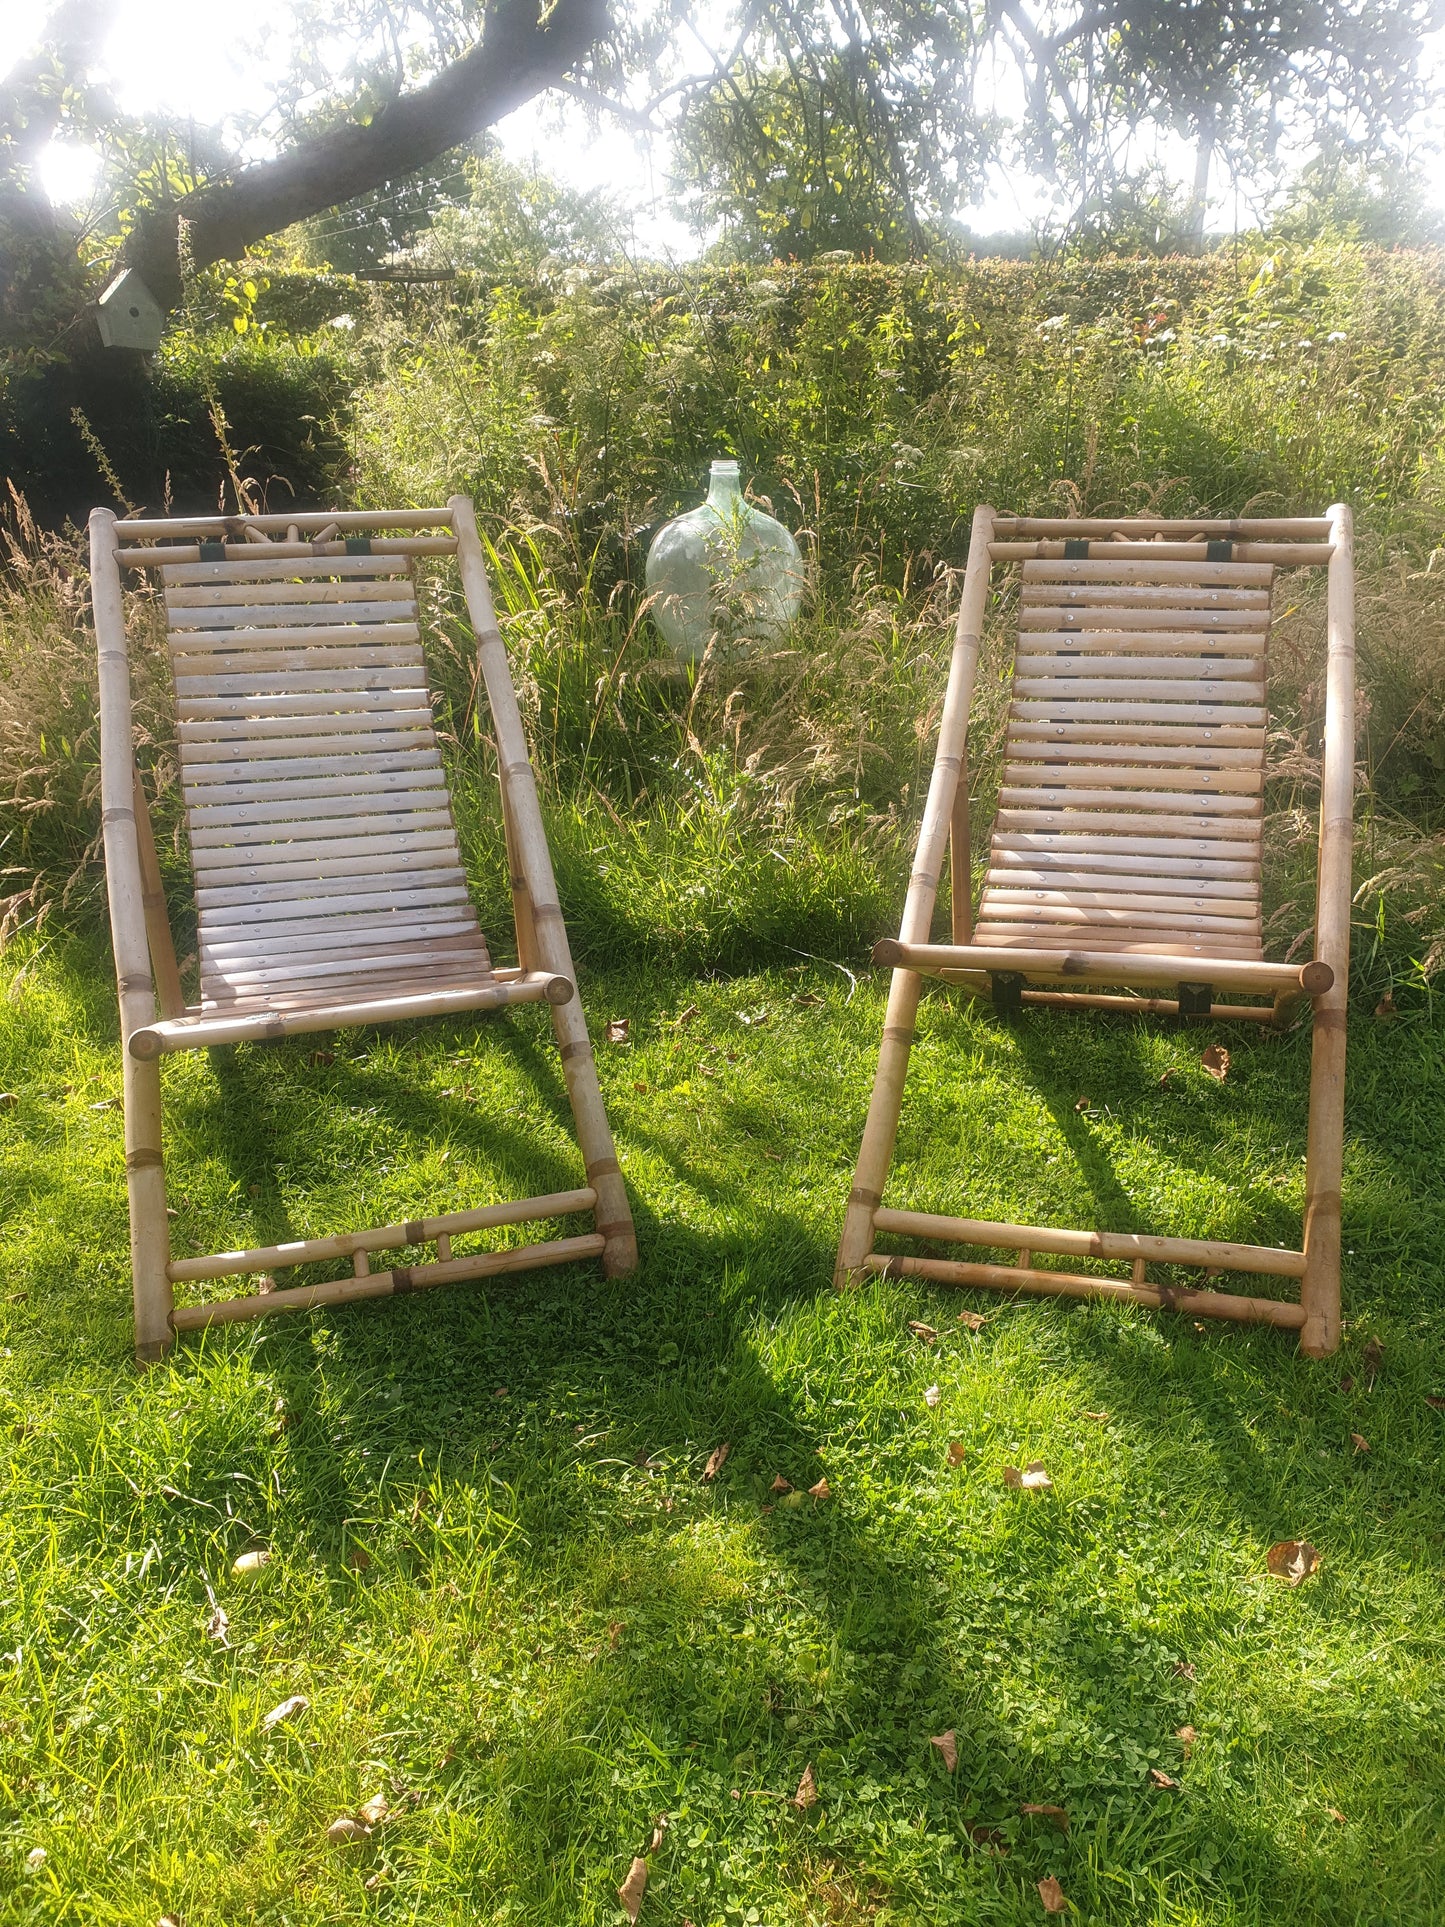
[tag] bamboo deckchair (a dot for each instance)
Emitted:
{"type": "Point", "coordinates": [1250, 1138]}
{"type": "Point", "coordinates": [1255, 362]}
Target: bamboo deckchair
{"type": "Point", "coordinates": [1126, 853]}
{"type": "Point", "coordinates": [329, 886]}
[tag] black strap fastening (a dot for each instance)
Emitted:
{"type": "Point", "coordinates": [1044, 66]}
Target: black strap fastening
{"type": "Point", "coordinates": [1075, 549]}
{"type": "Point", "coordinates": [1219, 551]}
{"type": "Point", "coordinates": [358, 545]}
{"type": "Point", "coordinates": [213, 551]}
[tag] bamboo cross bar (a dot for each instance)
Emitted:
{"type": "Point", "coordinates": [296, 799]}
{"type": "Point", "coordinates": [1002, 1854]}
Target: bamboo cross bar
{"type": "Point", "coordinates": [284, 551]}
{"type": "Point", "coordinates": [345, 1244]}
{"type": "Point", "coordinates": [1284, 554]}
{"type": "Point", "coordinates": [388, 1284]}
{"type": "Point", "coordinates": [1103, 966]}
{"type": "Point", "coordinates": [1273, 528]}
{"type": "Point", "coordinates": [194, 1033]}
{"type": "Point", "coordinates": [1212, 1253]}
{"type": "Point", "coordinates": [1067, 1284]}
{"type": "Point", "coordinates": [211, 526]}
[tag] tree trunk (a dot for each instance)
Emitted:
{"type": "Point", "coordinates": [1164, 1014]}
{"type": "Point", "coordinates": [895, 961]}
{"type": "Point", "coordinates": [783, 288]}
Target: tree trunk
{"type": "Point", "coordinates": [523, 50]}
{"type": "Point", "coordinates": [1199, 194]}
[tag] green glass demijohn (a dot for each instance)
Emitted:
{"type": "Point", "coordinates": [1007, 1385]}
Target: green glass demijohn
{"type": "Point", "coordinates": [723, 573]}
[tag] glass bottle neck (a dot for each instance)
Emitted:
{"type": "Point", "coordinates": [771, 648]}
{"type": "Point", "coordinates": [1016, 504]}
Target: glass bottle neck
{"type": "Point", "coordinates": [724, 491]}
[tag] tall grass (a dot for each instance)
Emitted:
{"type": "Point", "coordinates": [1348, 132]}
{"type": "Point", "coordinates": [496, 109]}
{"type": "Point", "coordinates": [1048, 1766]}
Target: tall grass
{"type": "Point", "coordinates": [768, 799]}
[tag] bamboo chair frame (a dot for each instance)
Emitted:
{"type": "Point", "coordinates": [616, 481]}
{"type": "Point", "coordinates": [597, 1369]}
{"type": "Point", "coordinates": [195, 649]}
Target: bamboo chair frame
{"type": "Point", "coordinates": [1032, 975]}
{"type": "Point", "coordinates": [155, 1019]}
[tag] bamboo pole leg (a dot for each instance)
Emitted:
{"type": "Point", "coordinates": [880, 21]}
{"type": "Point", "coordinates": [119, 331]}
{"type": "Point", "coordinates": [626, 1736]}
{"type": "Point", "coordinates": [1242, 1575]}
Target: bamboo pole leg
{"type": "Point", "coordinates": [145, 1179]}
{"type": "Point", "coordinates": [125, 888]}
{"type": "Point", "coordinates": [1324, 1162]}
{"type": "Point", "coordinates": [940, 817]}
{"type": "Point", "coordinates": [885, 1107]}
{"type": "Point", "coordinates": [533, 863]}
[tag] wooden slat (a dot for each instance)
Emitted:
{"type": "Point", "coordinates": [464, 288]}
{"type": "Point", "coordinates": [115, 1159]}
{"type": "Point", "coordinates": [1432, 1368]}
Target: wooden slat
{"type": "Point", "coordinates": [1135, 595]}
{"type": "Point", "coordinates": [327, 833]}
{"type": "Point", "coordinates": [227, 716]}
{"type": "Point", "coordinates": [1055, 860]}
{"type": "Point", "coordinates": [424, 964]}
{"type": "Point", "coordinates": [259, 594]}
{"type": "Point", "coordinates": [1127, 904]}
{"type": "Point", "coordinates": [305, 749]}
{"type": "Point", "coordinates": [333, 794]}
{"type": "Point", "coordinates": [237, 641]}
{"type": "Point", "coordinates": [1060, 708]}
{"type": "Point", "coordinates": [290, 615]}
{"type": "Point", "coordinates": [1238, 738]}
{"type": "Point", "coordinates": [1163, 931]}
{"type": "Point", "coordinates": [1250, 623]}
{"type": "Point", "coordinates": [1050, 816]}
{"type": "Point", "coordinates": [350, 932]}
{"type": "Point", "coordinates": [1156, 689]}
{"type": "Point", "coordinates": [303, 568]}
{"type": "Point", "coordinates": [352, 762]}
{"type": "Point", "coordinates": [267, 900]}
{"type": "Point", "coordinates": [386, 856]}
{"type": "Point", "coordinates": [1123, 886]}
{"type": "Point", "coordinates": [1043, 747]}
{"type": "Point", "coordinates": [1224, 575]}
{"type": "Point", "coordinates": [1205, 784]}
{"type": "Point", "coordinates": [1066, 668]}
{"type": "Point", "coordinates": [219, 822]}
{"type": "Point", "coordinates": [297, 669]}
{"type": "Point", "coordinates": [1174, 645]}
{"type": "Point", "coordinates": [1025, 846]}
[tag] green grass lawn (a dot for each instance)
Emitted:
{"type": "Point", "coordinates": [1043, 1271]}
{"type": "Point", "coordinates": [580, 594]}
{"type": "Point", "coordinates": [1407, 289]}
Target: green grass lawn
{"type": "Point", "coordinates": [519, 1612]}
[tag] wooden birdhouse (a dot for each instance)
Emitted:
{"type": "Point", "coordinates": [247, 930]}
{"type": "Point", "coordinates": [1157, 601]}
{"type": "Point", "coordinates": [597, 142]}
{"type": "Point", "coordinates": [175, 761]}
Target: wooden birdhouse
{"type": "Point", "coordinates": [129, 314]}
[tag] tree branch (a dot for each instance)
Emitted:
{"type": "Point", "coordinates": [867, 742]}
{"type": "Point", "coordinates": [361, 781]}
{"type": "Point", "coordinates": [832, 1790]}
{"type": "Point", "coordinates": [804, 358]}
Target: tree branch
{"type": "Point", "coordinates": [522, 51]}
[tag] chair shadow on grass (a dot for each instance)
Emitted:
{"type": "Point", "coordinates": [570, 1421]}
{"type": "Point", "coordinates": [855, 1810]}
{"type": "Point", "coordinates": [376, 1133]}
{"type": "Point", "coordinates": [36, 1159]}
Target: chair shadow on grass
{"type": "Point", "coordinates": [865, 1593]}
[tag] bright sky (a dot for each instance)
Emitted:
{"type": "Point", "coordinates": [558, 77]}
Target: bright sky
{"type": "Point", "coordinates": [157, 61]}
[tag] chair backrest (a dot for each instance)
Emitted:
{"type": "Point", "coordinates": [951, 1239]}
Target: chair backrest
{"type": "Point", "coordinates": [322, 840]}
{"type": "Point", "coordinates": [1129, 817]}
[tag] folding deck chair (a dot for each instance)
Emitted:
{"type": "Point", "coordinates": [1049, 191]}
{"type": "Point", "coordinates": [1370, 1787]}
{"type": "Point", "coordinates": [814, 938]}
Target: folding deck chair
{"type": "Point", "coordinates": [329, 885]}
{"type": "Point", "coordinates": [1126, 852]}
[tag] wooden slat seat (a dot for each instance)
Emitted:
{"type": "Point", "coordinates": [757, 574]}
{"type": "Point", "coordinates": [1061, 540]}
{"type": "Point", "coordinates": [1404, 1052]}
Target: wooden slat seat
{"type": "Point", "coordinates": [343, 884]}
{"type": "Point", "coordinates": [1129, 816]}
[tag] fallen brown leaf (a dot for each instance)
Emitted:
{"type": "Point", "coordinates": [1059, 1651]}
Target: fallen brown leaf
{"type": "Point", "coordinates": [1057, 1814]}
{"type": "Point", "coordinates": [1099, 1418]}
{"type": "Point", "coordinates": [1052, 1895]}
{"type": "Point", "coordinates": [1347, 1384]}
{"type": "Point", "coordinates": [1336, 1815]}
{"type": "Point", "coordinates": [1167, 1078]}
{"type": "Point", "coordinates": [685, 1017]}
{"type": "Point", "coordinates": [774, 1157]}
{"type": "Point", "coordinates": [1161, 1778]}
{"type": "Point", "coordinates": [987, 1836]}
{"type": "Point", "coordinates": [169, 1920]}
{"type": "Point", "coordinates": [1293, 1560]}
{"type": "Point", "coordinates": [1082, 1105]}
{"type": "Point", "coordinates": [8, 1100]}
{"type": "Point", "coordinates": [250, 1563]}
{"type": "Point", "coordinates": [321, 1058]}
{"type": "Point", "coordinates": [971, 1321]}
{"type": "Point", "coordinates": [1385, 1010]}
{"type": "Point", "coordinates": [1184, 1669]}
{"type": "Point", "coordinates": [1216, 1061]}
{"type": "Point", "coordinates": [345, 1831]}
{"type": "Point", "coordinates": [617, 1032]}
{"type": "Point", "coordinates": [1435, 1403]}
{"type": "Point", "coordinates": [946, 1747]}
{"type": "Point", "coordinates": [658, 1830]}
{"type": "Point", "coordinates": [957, 1452]}
{"type": "Point", "coordinates": [633, 1888]}
{"type": "Point", "coordinates": [807, 1793]}
{"type": "Point", "coordinates": [716, 1462]}
{"type": "Point", "coordinates": [218, 1625]}
{"type": "Point", "coordinates": [780, 1484]}
{"type": "Point", "coordinates": [1372, 1358]}
{"type": "Point", "coordinates": [374, 1812]}
{"type": "Point", "coordinates": [920, 1330]}
{"type": "Point", "coordinates": [641, 1089]}
{"type": "Point", "coordinates": [359, 1559]}
{"type": "Point", "coordinates": [1360, 1443]}
{"type": "Point", "coordinates": [822, 1490]}
{"type": "Point", "coordinates": [297, 1703]}
{"type": "Point", "coordinates": [1033, 1478]}
{"type": "Point", "coordinates": [1186, 1737]}
{"type": "Point", "coordinates": [932, 1396]}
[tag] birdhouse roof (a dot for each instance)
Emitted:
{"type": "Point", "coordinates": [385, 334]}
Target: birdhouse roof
{"type": "Point", "coordinates": [129, 288]}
